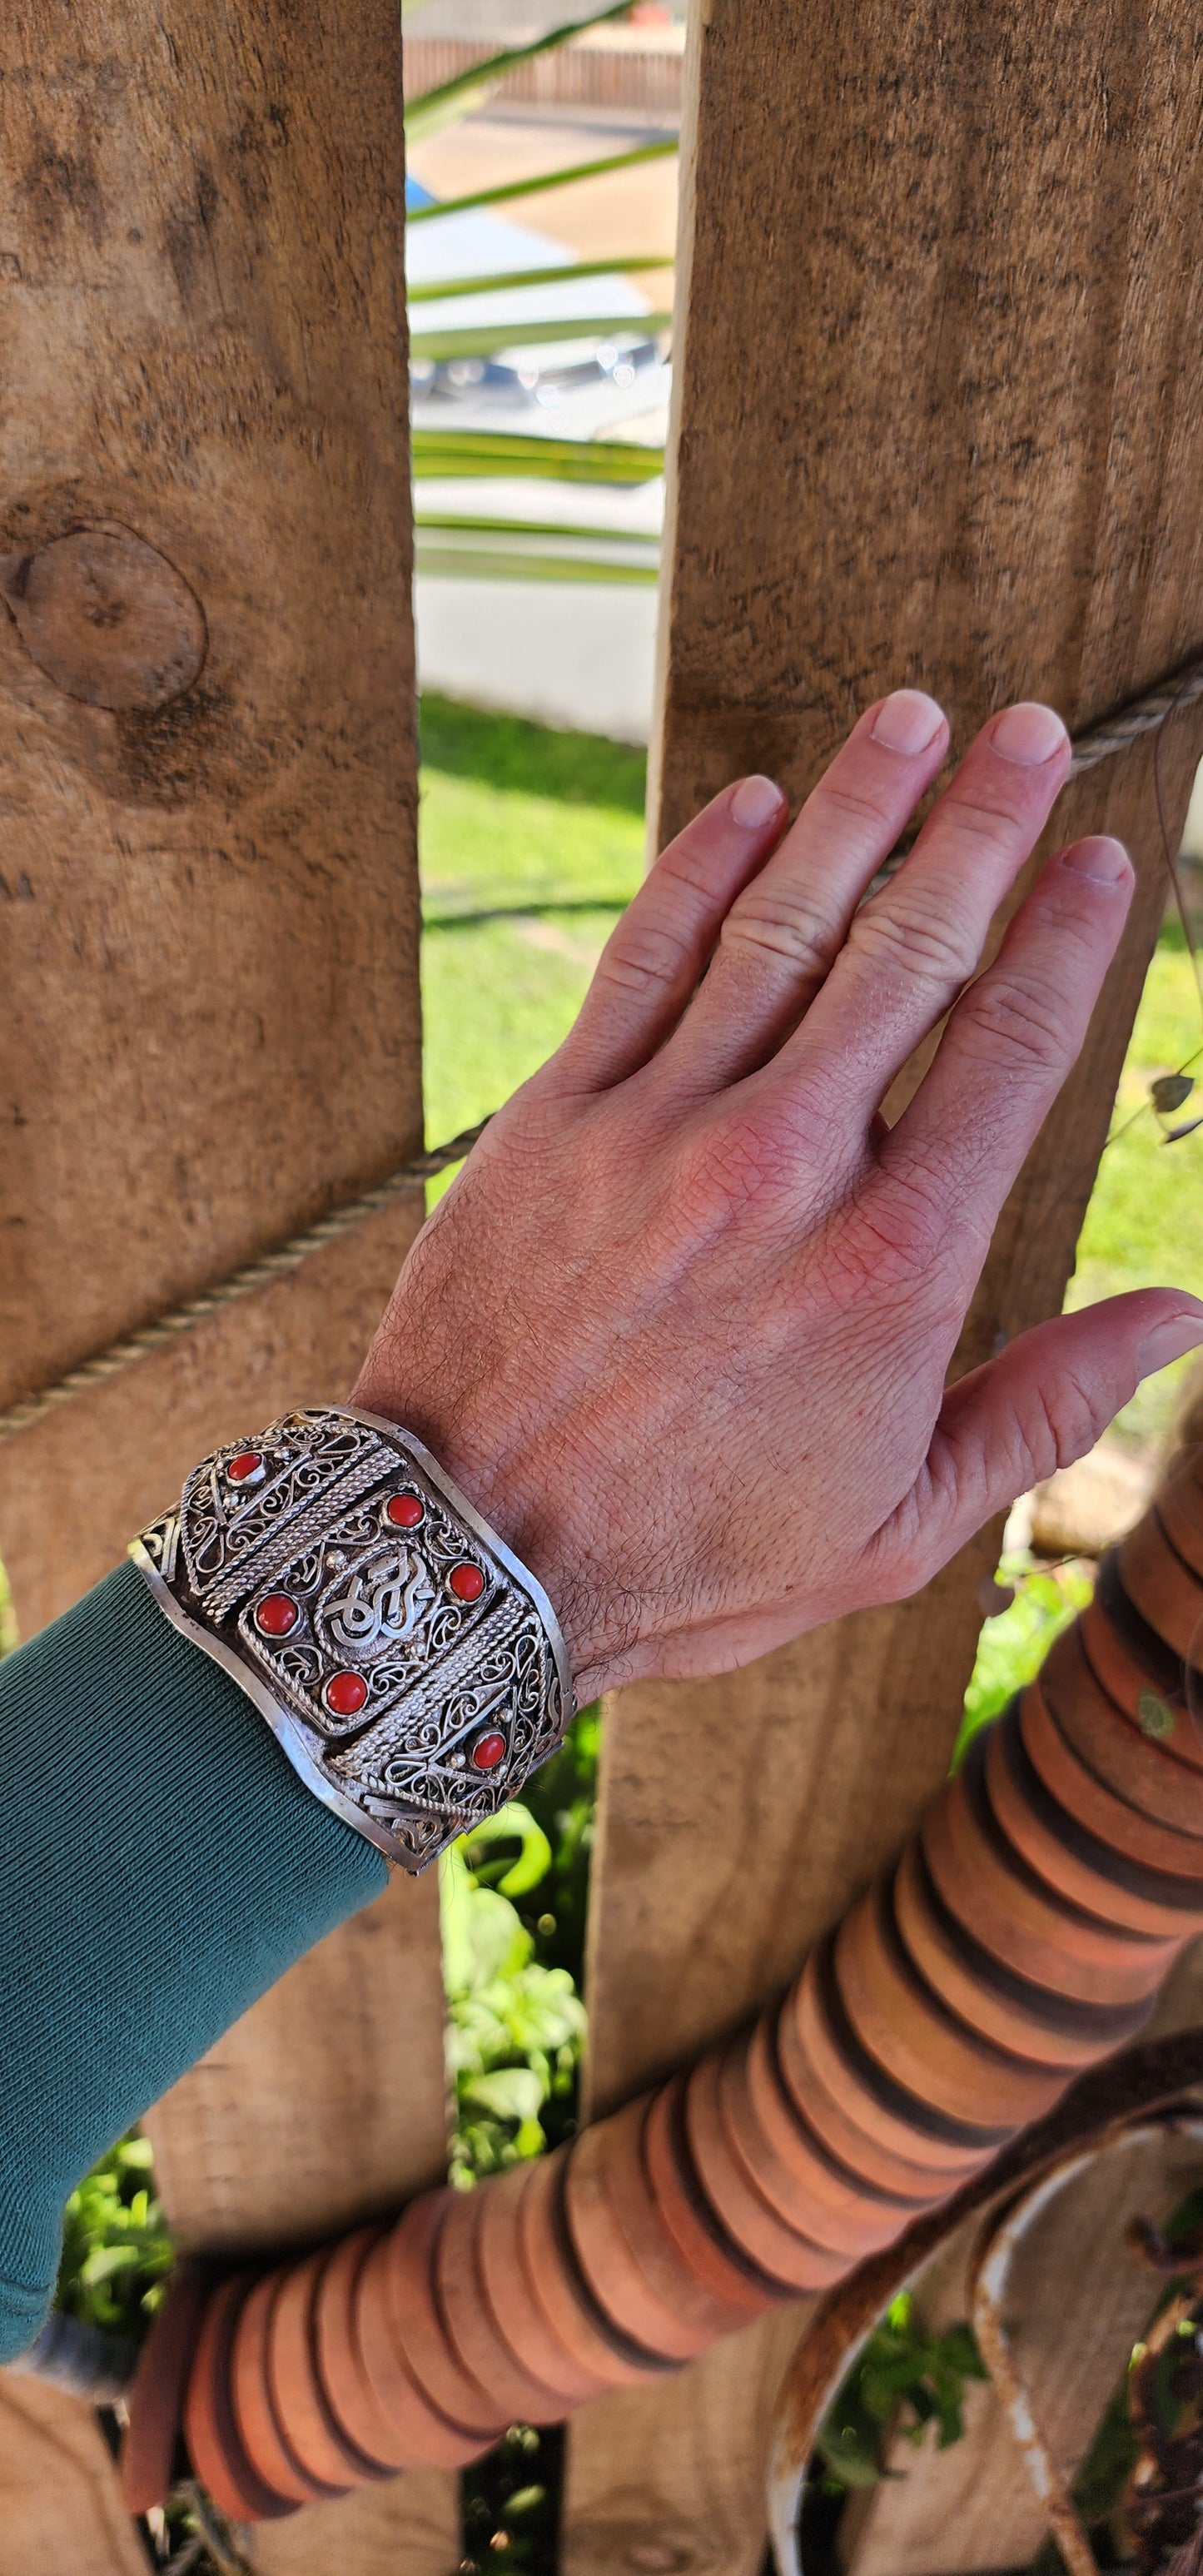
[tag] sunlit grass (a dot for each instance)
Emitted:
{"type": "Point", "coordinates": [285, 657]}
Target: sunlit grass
{"type": "Point", "coordinates": [548, 828]}
{"type": "Point", "coordinates": [1144, 1225]}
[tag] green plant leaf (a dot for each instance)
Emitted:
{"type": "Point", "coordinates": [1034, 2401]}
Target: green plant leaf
{"type": "Point", "coordinates": [498, 564]}
{"type": "Point", "coordinates": [525, 2500]}
{"type": "Point", "coordinates": [848, 2457]}
{"type": "Point", "coordinates": [116, 2250]}
{"type": "Point", "coordinates": [1154, 1718]}
{"type": "Point", "coordinates": [903, 2380]}
{"type": "Point", "coordinates": [454, 520]}
{"type": "Point", "coordinates": [433, 291]}
{"type": "Point", "coordinates": [514, 1822]}
{"type": "Point", "coordinates": [503, 454]}
{"type": "Point", "coordinates": [483, 1936]}
{"type": "Point", "coordinates": [484, 339]}
{"type": "Point", "coordinates": [510, 2093]}
{"type": "Point", "coordinates": [1014, 1643]}
{"type": "Point", "coordinates": [456, 97]}
{"type": "Point", "coordinates": [501, 195]}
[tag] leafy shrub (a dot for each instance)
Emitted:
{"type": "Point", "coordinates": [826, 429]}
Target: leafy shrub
{"type": "Point", "coordinates": [904, 2380]}
{"type": "Point", "coordinates": [116, 2249]}
{"type": "Point", "coordinates": [515, 2024]}
{"type": "Point", "coordinates": [1013, 1645]}
{"type": "Point", "coordinates": [511, 2504]}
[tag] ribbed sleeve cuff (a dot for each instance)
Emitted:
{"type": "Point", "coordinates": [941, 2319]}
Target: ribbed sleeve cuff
{"type": "Point", "coordinates": [161, 1865]}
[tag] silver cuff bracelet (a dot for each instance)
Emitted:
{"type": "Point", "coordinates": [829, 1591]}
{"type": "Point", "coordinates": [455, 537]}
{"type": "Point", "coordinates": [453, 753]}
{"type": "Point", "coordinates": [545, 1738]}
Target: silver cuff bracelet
{"type": "Point", "coordinates": [411, 1668]}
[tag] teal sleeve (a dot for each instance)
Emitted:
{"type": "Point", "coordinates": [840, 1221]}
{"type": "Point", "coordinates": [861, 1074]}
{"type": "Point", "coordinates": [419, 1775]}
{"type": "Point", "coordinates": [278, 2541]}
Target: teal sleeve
{"type": "Point", "coordinates": [160, 1866]}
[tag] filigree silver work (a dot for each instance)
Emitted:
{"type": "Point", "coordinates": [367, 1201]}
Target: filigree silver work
{"type": "Point", "coordinates": [411, 1668]}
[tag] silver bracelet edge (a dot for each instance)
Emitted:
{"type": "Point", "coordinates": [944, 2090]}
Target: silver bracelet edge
{"type": "Point", "coordinates": [286, 1728]}
{"type": "Point", "coordinates": [304, 1746]}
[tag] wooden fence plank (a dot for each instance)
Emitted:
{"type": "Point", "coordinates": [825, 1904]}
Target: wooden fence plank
{"type": "Point", "coordinates": [938, 420]}
{"type": "Point", "coordinates": [969, 2508]}
{"type": "Point", "coordinates": [678, 2483]}
{"type": "Point", "coordinates": [60, 2503]}
{"type": "Point", "coordinates": [326, 2103]}
{"type": "Point", "coordinates": [127, 1445]}
{"type": "Point", "coordinates": [409, 2528]}
{"type": "Point", "coordinates": [209, 1019]}
{"type": "Point", "coordinates": [209, 1026]}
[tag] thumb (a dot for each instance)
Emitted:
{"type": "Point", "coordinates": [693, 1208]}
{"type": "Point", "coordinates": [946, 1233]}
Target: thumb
{"type": "Point", "coordinates": [1042, 1403]}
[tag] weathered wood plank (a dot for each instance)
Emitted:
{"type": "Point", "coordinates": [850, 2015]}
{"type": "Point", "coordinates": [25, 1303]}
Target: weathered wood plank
{"type": "Point", "coordinates": [127, 1446]}
{"type": "Point", "coordinates": [408, 2528]}
{"type": "Point", "coordinates": [209, 1026]}
{"type": "Point", "coordinates": [938, 420]}
{"type": "Point", "coordinates": [61, 2505]}
{"type": "Point", "coordinates": [679, 2484]}
{"type": "Point", "coordinates": [326, 2103]}
{"type": "Point", "coordinates": [209, 1019]}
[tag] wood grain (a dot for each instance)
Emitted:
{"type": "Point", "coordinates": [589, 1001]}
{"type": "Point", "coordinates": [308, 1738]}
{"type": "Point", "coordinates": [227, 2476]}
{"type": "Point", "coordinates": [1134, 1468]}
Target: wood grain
{"type": "Point", "coordinates": [408, 2528]}
{"type": "Point", "coordinates": [937, 420]}
{"type": "Point", "coordinates": [76, 1483]}
{"type": "Point", "coordinates": [673, 2479]}
{"type": "Point", "coordinates": [61, 2506]}
{"type": "Point", "coordinates": [209, 1024]}
{"type": "Point", "coordinates": [326, 2103]}
{"type": "Point", "coordinates": [209, 1016]}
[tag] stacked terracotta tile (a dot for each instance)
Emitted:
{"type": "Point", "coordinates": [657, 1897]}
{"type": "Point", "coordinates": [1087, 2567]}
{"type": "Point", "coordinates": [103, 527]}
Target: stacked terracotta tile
{"type": "Point", "coordinates": [1021, 1936]}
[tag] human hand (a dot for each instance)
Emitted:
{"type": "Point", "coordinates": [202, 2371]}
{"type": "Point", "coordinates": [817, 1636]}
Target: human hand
{"type": "Point", "coordinates": [680, 1328]}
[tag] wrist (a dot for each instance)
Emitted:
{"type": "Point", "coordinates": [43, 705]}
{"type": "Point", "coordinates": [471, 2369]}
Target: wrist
{"type": "Point", "coordinates": [502, 1468]}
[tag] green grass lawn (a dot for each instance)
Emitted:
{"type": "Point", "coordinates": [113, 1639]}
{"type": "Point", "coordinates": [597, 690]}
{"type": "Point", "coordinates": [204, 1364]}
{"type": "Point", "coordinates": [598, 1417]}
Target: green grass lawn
{"type": "Point", "coordinates": [544, 831]}
{"type": "Point", "coordinates": [1144, 1225]}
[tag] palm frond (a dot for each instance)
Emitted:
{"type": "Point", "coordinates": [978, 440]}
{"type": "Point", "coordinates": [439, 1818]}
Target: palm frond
{"type": "Point", "coordinates": [484, 339]}
{"type": "Point", "coordinates": [512, 563]}
{"type": "Point", "coordinates": [433, 290]}
{"type": "Point", "coordinates": [456, 97]}
{"type": "Point", "coordinates": [509, 188]}
{"type": "Point", "coordinates": [452, 453]}
{"type": "Point", "coordinates": [452, 519]}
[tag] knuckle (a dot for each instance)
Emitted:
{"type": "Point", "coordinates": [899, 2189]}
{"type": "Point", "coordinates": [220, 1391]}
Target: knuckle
{"type": "Point", "coordinates": [1062, 1424]}
{"type": "Point", "coordinates": [905, 930]}
{"type": "Point", "coordinates": [890, 1239]}
{"type": "Point", "coordinates": [689, 862]}
{"type": "Point", "coordinates": [912, 1222]}
{"type": "Point", "coordinates": [833, 800]}
{"type": "Point", "coordinates": [640, 957]}
{"type": "Point", "coordinates": [905, 1557]}
{"type": "Point", "coordinates": [1019, 1020]}
{"type": "Point", "coordinates": [912, 1570]}
{"type": "Point", "coordinates": [981, 819]}
{"type": "Point", "coordinates": [782, 923]}
{"type": "Point", "coordinates": [738, 1161]}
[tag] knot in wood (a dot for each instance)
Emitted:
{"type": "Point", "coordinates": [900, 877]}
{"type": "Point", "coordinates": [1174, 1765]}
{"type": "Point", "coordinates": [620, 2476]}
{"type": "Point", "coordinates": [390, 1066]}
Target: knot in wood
{"type": "Point", "coordinates": [107, 618]}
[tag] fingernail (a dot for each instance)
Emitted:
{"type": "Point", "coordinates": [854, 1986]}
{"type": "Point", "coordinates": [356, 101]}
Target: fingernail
{"type": "Point", "coordinates": [1028, 734]}
{"type": "Point", "coordinates": [1170, 1341]}
{"type": "Point", "coordinates": [907, 721]}
{"type": "Point", "coordinates": [755, 801]}
{"type": "Point", "coordinates": [1101, 859]}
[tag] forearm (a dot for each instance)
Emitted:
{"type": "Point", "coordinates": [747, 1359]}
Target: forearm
{"type": "Point", "coordinates": [162, 1866]}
